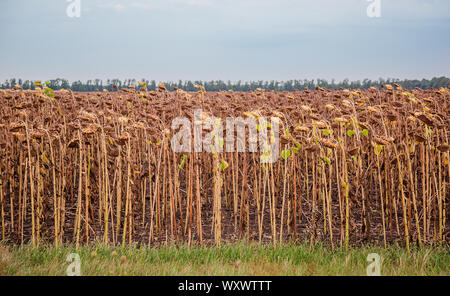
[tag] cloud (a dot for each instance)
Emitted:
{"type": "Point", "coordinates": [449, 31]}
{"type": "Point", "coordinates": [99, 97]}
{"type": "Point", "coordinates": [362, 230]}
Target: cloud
{"type": "Point", "coordinates": [118, 7]}
{"type": "Point", "coordinates": [115, 6]}
{"type": "Point", "coordinates": [156, 4]}
{"type": "Point", "coordinates": [142, 5]}
{"type": "Point", "coordinates": [311, 11]}
{"type": "Point", "coordinates": [197, 2]}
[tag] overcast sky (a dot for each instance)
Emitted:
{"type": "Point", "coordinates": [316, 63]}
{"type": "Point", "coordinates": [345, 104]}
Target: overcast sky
{"type": "Point", "coordinates": [167, 40]}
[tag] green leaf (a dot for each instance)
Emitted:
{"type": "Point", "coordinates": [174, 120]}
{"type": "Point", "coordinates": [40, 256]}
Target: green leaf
{"type": "Point", "coordinates": [295, 150]}
{"type": "Point", "coordinates": [223, 165]}
{"type": "Point", "coordinates": [49, 92]}
{"type": "Point", "coordinates": [326, 132]}
{"type": "Point", "coordinates": [285, 154]}
{"type": "Point", "coordinates": [350, 133]}
{"type": "Point", "coordinates": [365, 132]}
{"type": "Point", "coordinates": [378, 149]}
{"type": "Point", "coordinates": [181, 165]}
{"type": "Point", "coordinates": [327, 160]}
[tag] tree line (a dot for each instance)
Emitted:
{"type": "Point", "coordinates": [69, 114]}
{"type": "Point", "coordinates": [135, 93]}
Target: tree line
{"type": "Point", "coordinates": [218, 85]}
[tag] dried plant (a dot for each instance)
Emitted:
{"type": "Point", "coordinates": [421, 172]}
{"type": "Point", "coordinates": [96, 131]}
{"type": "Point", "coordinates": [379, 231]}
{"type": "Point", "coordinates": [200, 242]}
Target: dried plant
{"type": "Point", "coordinates": [369, 165]}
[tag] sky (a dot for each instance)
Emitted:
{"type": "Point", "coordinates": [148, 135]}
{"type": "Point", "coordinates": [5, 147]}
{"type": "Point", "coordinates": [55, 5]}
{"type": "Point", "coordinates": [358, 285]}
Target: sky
{"type": "Point", "coordinates": [169, 40]}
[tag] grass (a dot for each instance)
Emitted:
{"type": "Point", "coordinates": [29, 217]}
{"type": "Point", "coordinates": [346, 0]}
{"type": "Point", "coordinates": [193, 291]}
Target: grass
{"type": "Point", "coordinates": [229, 259]}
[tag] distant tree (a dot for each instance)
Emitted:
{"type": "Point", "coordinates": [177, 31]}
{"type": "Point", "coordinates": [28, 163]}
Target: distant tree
{"type": "Point", "coordinates": [218, 85]}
